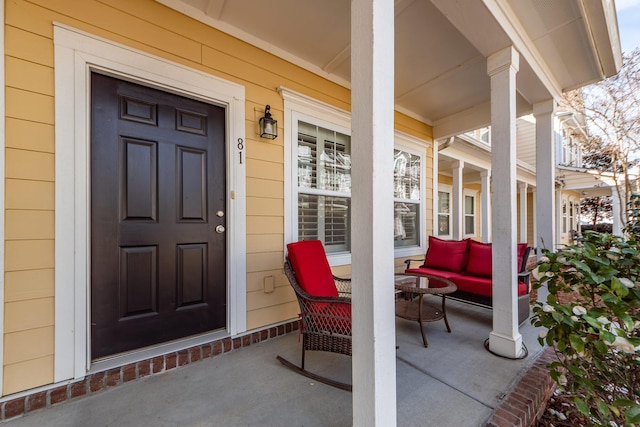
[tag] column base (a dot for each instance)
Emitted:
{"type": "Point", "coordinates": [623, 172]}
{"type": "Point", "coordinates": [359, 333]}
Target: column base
{"type": "Point", "coordinates": [506, 346]}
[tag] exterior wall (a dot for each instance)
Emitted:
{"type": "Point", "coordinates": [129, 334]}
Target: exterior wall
{"type": "Point", "coordinates": [526, 140]}
{"type": "Point", "coordinates": [531, 238]}
{"type": "Point", "coordinates": [29, 203]}
{"type": "Point", "coordinates": [569, 196]}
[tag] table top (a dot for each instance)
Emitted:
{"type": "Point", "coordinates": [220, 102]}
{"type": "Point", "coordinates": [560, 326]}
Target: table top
{"type": "Point", "coordinates": [423, 284]}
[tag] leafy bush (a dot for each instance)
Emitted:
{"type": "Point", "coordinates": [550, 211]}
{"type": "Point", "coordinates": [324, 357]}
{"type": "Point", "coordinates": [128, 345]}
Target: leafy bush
{"type": "Point", "coordinates": [597, 335]}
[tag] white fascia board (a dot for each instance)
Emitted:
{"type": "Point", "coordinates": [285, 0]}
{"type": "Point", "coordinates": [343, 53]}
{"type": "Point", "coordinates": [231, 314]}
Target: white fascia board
{"type": "Point", "coordinates": [524, 45]}
{"type": "Point", "coordinates": [602, 27]}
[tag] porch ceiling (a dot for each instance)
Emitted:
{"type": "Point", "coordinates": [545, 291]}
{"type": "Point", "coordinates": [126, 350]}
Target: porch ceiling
{"type": "Point", "coordinates": [441, 47]}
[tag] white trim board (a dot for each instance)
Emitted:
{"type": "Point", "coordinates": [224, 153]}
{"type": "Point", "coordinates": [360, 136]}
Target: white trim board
{"type": "Point", "coordinates": [76, 54]}
{"type": "Point", "coordinates": [2, 195]}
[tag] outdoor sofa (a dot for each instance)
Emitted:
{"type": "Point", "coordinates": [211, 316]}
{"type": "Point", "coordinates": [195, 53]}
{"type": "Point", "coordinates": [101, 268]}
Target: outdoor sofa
{"type": "Point", "coordinates": [467, 263]}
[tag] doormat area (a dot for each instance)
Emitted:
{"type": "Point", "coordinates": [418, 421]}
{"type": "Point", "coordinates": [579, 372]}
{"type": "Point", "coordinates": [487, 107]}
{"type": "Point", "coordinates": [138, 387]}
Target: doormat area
{"type": "Point", "coordinates": [101, 381]}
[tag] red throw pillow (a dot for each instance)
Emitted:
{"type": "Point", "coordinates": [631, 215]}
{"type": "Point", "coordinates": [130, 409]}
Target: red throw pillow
{"type": "Point", "coordinates": [309, 262]}
{"type": "Point", "coordinates": [448, 255]}
{"type": "Point", "coordinates": [479, 259]}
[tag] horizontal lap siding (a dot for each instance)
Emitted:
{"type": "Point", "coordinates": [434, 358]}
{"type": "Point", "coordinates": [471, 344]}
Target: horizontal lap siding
{"type": "Point", "coordinates": [29, 203]}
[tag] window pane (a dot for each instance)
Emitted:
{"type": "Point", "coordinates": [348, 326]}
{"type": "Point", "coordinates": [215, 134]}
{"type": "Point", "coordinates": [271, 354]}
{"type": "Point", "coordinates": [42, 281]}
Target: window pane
{"type": "Point", "coordinates": [469, 224]}
{"type": "Point", "coordinates": [325, 218]}
{"type": "Point", "coordinates": [469, 205]}
{"type": "Point", "coordinates": [406, 230]}
{"type": "Point", "coordinates": [406, 175]}
{"type": "Point", "coordinates": [443, 225]}
{"type": "Point", "coordinates": [443, 202]}
{"type": "Point", "coordinates": [324, 159]}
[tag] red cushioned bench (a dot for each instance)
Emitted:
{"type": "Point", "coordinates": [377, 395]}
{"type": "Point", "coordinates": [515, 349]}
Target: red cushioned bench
{"type": "Point", "coordinates": [467, 263]}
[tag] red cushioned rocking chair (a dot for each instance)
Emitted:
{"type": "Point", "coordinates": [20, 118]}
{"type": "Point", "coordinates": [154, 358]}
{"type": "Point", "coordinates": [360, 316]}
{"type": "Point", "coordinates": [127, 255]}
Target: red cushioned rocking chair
{"type": "Point", "coordinates": [325, 305]}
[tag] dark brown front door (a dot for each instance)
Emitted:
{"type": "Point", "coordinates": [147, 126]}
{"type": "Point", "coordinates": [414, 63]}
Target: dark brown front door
{"type": "Point", "coordinates": [158, 265]}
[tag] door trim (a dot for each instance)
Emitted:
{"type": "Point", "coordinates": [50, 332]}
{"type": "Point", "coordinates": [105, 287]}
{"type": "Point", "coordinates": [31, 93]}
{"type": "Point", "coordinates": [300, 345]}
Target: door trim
{"type": "Point", "coordinates": [77, 54]}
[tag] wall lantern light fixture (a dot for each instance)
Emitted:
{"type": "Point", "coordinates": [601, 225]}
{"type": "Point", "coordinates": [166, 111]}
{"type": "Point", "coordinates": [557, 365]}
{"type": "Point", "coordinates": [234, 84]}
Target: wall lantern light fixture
{"type": "Point", "coordinates": [268, 126]}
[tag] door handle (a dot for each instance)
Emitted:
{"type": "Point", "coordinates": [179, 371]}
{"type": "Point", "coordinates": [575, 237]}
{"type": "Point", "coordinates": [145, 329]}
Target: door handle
{"type": "Point", "coordinates": [220, 229]}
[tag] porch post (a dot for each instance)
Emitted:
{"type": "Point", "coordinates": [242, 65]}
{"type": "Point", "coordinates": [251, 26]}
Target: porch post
{"type": "Point", "coordinates": [456, 202]}
{"type": "Point", "coordinates": [523, 211]}
{"type": "Point", "coordinates": [616, 228]}
{"type": "Point", "coordinates": [534, 210]}
{"type": "Point", "coordinates": [505, 339]}
{"type": "Point", "coordinates": [373, 310]}
{"type": "Point", "coordinates": [545, 176]}
{"type": "Point", "coordinates": [485, 205]}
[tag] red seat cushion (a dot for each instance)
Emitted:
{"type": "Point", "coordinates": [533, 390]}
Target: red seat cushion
{"type": "Point", "coordinates": [432, 272]}
{"type": "Point", "coordinates": [482, 285]}
{"type": "Point", "coordinates": [448, 255]}
{"type": "Point", "coordinates": [309, 262]}
{"type": "Point", "coordinates": [473, 284]}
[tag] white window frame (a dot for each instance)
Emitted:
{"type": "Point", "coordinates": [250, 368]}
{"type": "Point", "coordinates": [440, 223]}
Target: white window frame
{"type": "Point", "coordinates": [443, 188]}
{"type": "Point", "coordinates": [563, 216]}
{"type": "Point", "coordinates": [417, 147]}
{"type": "Point", "coordinates": [470, 193]}
{"type": "Point", "coordinates": [299, 107]}
{"type": "Point", "coordinates": [572, 216]}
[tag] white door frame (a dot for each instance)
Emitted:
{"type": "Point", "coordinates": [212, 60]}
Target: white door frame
{"type": "Point", "coordinates": [76, 54]}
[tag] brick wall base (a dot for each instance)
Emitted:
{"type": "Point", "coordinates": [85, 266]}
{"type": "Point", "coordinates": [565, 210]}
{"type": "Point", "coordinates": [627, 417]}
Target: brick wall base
{"type": "Point", "coordinates": [95, 383]}
{"type": "Point", "coordinates": [525, 403]}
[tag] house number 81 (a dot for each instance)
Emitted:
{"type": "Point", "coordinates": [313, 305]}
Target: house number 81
{"type": "Point", "coordinates": [240, 147]}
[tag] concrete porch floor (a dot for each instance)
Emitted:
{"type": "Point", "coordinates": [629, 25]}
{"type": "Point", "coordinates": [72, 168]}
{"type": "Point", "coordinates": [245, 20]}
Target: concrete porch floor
{"type": "Point", "coordinates": [454, 382]}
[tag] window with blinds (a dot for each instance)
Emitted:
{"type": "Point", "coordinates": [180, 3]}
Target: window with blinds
{"type": "Point", "coordinates": [407, 198]}
{"type": "Point", "coordinates": [324, 186]}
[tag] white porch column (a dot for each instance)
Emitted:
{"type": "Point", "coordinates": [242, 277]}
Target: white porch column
{"type": "Point", "coordinates": [456, 203]}
{"type": "Point", "coordinates": [522, 187]}
{"type": "Point", "coordinates": [615, 207]}
{"type": "Point", "coordinates": [436, 159]}
{"type": "Point", "coordinates": [558, 240]}
{"type": "Point", "coordinates": [535, 216]}
{"type": "Point", "coordinates": [545, 176]}
{"type": "Point", "coordinates": [373, 310]}
{"type": "Point", "coordinates": [485, 205]}
{"type": "Point", "coordinates": [505, 339]}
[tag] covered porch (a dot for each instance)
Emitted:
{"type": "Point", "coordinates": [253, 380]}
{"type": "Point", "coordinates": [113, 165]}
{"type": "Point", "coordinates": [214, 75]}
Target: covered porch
{"type": "Point", "coordinates": [454, 381]}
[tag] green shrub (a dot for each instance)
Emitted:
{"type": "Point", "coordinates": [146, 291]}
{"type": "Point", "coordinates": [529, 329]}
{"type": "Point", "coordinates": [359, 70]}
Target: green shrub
{"type": "Point", "coordinates": [597, 334]}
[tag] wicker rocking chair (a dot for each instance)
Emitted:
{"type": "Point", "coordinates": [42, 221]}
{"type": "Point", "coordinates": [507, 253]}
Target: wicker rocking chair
{"type": "Point", "coordinates": [325, 305]}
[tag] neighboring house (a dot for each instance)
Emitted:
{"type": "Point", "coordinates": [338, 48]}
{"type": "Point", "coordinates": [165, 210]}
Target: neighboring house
{"type": "Point", "coordinates": [469, 155]}
{"type": "Point", "coordinates": [144, 214]}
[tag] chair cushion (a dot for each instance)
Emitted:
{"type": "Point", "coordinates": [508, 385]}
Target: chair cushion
{"type": "Point", "coordinates": [309, 262]}
{"type": "Point", "coordinates": [448, 255]}
{"type": "Point", "coordinates": [479, 263]}
{"type": "Point", "coordinates": [482, 285]}
{"type": "Point", "coordinates": [473, 284]}
{"type": "Point", "coordinates": [432, 272]}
